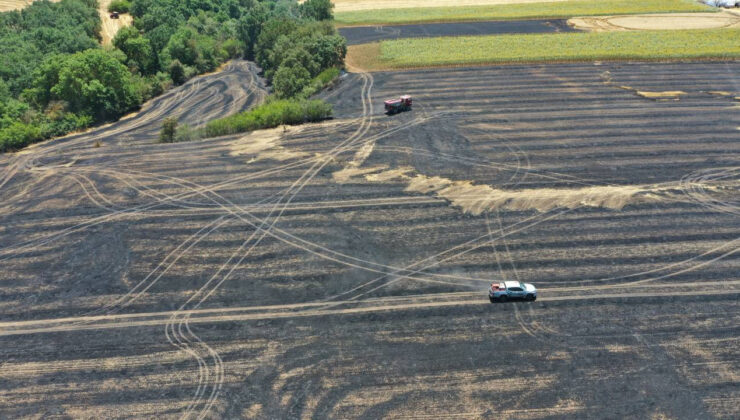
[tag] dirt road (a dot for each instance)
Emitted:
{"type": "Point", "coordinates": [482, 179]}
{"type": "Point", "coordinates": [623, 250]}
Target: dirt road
{"type": "Point", "coordinates": [339, 270]}
{"type": "Point", "coordinates": [110, 26]}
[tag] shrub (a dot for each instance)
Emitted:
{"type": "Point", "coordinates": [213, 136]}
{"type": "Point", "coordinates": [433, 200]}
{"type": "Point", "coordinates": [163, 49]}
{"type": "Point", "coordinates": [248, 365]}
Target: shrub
{"type": "Point", "coordinates": [186, 133]}
{"type": "Point", "coordinates": [169, 128]}
{"type": "Point", "coordinates": [319, 82]}
{"type": "Point", "coordinates": [233, 48]}
{"type": "Point", "coordinates": [316, 110]}
{"type": "Point", "coordinates": [271, 114]}
{"type": "Point", "coordinates": [18, 135]}
{"type": "Point", "coordinates": [177, 72]}
{"type": "Point", "coordinates": [121, 6]}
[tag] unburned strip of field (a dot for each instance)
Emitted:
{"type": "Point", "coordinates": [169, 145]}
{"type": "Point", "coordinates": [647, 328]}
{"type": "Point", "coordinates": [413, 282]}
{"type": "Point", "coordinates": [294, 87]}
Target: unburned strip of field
{"type": "Point", "coordinates": [536, 48]}
{"type": "Point", "coordinates": [385, 12]}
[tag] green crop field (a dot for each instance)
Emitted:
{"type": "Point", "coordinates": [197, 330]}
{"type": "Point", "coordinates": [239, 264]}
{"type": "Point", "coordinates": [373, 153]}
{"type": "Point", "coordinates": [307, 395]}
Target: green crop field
{"type": "Point", "coordinates": [648, 45]}
{"type": "Point", "coordinates": [517, 11]}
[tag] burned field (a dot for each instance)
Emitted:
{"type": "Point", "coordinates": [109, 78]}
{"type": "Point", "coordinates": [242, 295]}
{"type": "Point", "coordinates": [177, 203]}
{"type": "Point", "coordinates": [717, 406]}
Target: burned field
{"type": "Point", "coordinates": [362, 34]}
{"type": "Point", "coordinates": [339, 270]}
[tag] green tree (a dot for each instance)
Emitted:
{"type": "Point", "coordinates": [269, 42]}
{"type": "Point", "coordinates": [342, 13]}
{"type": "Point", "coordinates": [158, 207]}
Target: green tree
{"type": "Point", "coordinates": [123, 35]}
{"type": "Point", "coordinates": [317, 9]}
{"type": "Point", "coordinates": [250, 26]}
{"type": "Point", "coordinates": [328, 51]}
{"type": "Point", "coordinates": [95, 83]}
{"type": "Point", "coordinates": [271, 31]}
{"type": "Point", "coordinates": [289, 81]}
{"type": "Point", "coordinates": [299, 56]}
{"type": "Point", "coordinates": [182, 46]}
{"type": "Point", "coordinates": [45, 77]}
{"type": "Point", "coordinates": [177, 72]}
{"type": "Point", "coordinates": [138, 50]}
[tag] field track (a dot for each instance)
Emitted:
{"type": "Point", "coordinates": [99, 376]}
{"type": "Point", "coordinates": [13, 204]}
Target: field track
{"type": "Point", "coordinates": [339, 270]}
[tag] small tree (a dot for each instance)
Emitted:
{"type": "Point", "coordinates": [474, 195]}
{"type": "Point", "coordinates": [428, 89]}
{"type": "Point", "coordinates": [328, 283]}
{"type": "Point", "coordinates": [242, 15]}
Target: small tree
{"type": "Point", "coordinates": [169, 128]}
{"type": "Point", "coordinates": [177, 72]}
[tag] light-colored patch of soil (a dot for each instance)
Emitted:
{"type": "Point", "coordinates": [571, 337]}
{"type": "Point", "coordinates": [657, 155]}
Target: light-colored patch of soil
{"type": "Point", "coordinates": [363, 57]}
{"type": "Point", "coordinates": [477, 199]}
{"type": "Point", "coordinates": [669, 94]}
{"type": "Point", "coordinates": [110, 27]}
{"type": "Point", "coordinates": [6, 5]}
{"type": "Point", "coordinates": [668, 21]}
{"type": "Point", "coordinates": [355, 5]}
{"type": "Point", "coordinates": [265, 144]}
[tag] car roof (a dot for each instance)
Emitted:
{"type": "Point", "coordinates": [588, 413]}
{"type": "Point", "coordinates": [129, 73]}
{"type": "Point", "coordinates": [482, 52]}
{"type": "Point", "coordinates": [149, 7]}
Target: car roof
{"type": "Point", "coordinates": [512, 284]}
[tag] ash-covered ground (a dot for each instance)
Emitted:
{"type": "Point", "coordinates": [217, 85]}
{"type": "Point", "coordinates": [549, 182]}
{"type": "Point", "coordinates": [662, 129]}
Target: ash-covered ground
{"type": "Point", "coordinates": [339, 270]}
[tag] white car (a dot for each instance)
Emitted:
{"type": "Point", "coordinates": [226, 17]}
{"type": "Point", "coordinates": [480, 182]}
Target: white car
{"type": "Point", "coordinates": [501, 292]}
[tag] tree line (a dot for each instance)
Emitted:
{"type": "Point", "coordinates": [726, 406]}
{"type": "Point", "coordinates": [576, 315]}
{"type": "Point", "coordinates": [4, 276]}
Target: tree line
{"type": "Point", "coordinates": [56, 78]}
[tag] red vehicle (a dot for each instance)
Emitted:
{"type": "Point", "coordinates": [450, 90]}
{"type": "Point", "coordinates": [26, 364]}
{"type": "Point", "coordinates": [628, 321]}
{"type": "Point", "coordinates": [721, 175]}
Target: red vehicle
{"type": "Point", "coordinates": [397, 105]}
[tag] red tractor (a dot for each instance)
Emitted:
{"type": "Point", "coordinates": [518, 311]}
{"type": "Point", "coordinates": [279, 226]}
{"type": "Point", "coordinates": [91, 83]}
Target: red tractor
{"type": "Point", "coordinates": [398, 105]}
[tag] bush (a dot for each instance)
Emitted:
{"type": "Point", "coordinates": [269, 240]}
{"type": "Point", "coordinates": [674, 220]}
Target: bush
{"type": "Point", "coordinates": [177, 72]}
{"type": "Point", "coordinates": [289, 81]}
{"type": "Point", "coordinates": [319, 82]}
{"type": "Point", "coordinates": [18, 135]}
{"type": "Point", "coordinates": [271, 114]}
{"type": "Point", "coordinates": [186, 133]}
{"type": "Point", "coordinates": [169, 128]}
{"type": "Point", "coordinates": [233, 48]}
{"type": "Point", "coordinates": [121, 6]}
{"type": "Point", "coordinates": [68, 123]}
{"type": "Point", "coordinates": [316, 110]}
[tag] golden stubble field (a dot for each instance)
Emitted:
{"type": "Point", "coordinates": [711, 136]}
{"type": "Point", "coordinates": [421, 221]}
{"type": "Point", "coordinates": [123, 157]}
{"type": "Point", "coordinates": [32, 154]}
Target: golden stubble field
{"type": "Point", "coordinates": [6, 5]}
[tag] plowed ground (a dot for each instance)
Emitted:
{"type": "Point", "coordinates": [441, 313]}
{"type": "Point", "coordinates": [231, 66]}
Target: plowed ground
{"type": "Point", "coordinates": [339, 270]}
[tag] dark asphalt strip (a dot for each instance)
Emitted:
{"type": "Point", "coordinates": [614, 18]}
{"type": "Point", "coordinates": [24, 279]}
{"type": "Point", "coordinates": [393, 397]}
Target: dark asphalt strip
{"type": "Point", "coordinates": [364, 34]}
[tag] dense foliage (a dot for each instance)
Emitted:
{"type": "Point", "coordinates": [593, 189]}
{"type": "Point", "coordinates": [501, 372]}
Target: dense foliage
{"type": "Point", "coordinates": [56, 78]}
{"type": "Point", "coordinates": [273, 113]}
{"type": "Point", "coordinates": [120, 6]}
{"type": "Point", "coordinates": [29, 40]}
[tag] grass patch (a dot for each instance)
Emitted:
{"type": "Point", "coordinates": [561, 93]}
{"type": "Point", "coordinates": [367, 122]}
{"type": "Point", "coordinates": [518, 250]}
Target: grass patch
{"type": "Point", "coordinates": [565, 9]}
{"type": "Point", "coordinates": [272, 113]}
{"type": "Point", "coordinates": [470, 50]}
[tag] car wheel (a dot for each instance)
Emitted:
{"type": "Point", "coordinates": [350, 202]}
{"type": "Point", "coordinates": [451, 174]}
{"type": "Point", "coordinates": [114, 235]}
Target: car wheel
{"type": "Point", "coordinates": [503, 299]}
{"type": "Point", "coordinates": [529, 297]}
{"type": "Point", "coordinates": [491, 299]}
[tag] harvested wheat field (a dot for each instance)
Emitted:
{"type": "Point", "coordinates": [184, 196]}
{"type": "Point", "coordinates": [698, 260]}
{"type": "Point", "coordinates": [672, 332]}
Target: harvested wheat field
{"type": "Point", "coordinates": [340, 270]}
{"type": "Point", "coordinates": [6, 5]}
{"type": "Point", "coordinates": [657, 22]}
